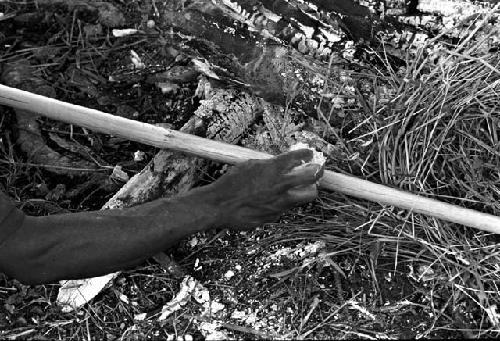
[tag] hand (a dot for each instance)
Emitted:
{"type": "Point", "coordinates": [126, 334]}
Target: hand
{"type": "Point", "coordinates": [259, 191]}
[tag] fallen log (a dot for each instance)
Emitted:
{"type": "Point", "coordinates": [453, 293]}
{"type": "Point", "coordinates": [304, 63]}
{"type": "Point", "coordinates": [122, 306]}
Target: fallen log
{"type": "Point", "coordinates": [227, 153]}
{"type": "Point", "coordinates": [170, 174]}
{"type": "Point", "coordinates": [143, 187]}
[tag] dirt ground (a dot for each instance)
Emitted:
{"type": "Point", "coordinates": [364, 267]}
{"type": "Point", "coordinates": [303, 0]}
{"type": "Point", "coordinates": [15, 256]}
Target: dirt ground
{"type": "Point", "coordinates": [339, 268]}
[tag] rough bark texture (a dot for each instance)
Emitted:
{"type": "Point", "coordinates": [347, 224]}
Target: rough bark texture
{"type": "Point", "coordinates": [269, 47]}
{"type": "Point", "coordinates": [223, 115]}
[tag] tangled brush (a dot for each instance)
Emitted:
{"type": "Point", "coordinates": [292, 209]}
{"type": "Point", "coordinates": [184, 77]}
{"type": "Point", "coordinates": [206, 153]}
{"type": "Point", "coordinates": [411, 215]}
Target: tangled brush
{"type": "Point", "coordinates": [437, 135]}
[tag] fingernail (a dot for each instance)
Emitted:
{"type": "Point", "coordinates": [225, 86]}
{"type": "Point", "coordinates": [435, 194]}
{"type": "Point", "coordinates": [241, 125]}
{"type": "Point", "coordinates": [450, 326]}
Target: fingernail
{"type": "Point", "coordinates": [318, 172]}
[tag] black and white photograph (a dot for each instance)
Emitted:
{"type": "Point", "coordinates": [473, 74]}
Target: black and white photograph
{"type": "Point", "coordinates": [249, 169]}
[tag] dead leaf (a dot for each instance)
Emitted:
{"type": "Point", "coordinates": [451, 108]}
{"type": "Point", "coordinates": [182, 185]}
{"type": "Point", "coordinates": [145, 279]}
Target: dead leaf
{"type": "Point", "coordinates": [75, 293]}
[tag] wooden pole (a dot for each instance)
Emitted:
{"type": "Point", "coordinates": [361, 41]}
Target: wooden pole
{"type": "Point", "coordinates": [228, 153]}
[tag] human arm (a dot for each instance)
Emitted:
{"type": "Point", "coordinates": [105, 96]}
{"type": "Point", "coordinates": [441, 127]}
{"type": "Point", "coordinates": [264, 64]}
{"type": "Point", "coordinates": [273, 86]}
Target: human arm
{"type": "Point", "coordinates": [68, 246]}
{"type": "Point", "coordinates": [78, 245]}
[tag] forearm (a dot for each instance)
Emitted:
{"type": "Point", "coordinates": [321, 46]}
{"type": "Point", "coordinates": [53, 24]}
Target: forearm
{"type": "Point", "coordinates": [46, 249]}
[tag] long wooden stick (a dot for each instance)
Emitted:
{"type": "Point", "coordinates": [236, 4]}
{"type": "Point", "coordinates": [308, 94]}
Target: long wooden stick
{"type": "Point", "coordinates": [227, 153]}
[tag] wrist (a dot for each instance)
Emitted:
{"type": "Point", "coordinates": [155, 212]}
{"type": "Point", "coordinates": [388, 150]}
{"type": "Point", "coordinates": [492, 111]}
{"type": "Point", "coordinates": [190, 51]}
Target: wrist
{"type": "Point", "coordinates": [203, 204]}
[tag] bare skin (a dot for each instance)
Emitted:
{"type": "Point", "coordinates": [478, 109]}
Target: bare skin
{"type": "Point", "coordinates": [79, 245]}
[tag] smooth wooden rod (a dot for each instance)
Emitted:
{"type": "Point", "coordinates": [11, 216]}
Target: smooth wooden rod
{"type": "Point", "coordinates": [228, 153]}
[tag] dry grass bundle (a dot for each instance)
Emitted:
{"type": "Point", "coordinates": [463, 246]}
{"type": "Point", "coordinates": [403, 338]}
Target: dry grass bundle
{"type": "Point", "coordinates": [436, 136]}
{"type": "Point", "coordinates": [443, 142]}
{"type": "Point", "coordinates": [444, 119]}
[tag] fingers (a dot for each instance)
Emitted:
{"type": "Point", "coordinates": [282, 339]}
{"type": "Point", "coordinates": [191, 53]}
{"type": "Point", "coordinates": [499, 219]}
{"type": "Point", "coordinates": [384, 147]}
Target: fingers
{"type": "Point", "coordinates": [302, 195]}
{"type": "Point", "coordinates": [301, 176]}
{"type": "Point", "coordinates": [288, 161]}
{"type": "Point", "coordinates": [255, 215]}
{"type": "Point", "coordinates": [296, 196]}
